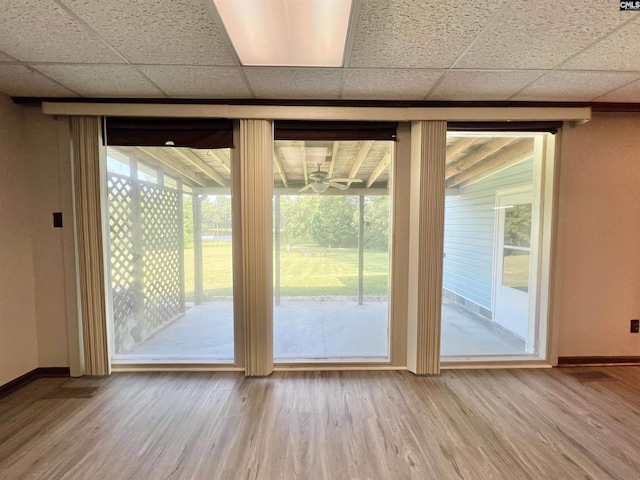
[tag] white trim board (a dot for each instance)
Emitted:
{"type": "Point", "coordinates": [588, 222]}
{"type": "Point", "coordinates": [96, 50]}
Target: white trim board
{"type": "Point", "coordinates": [277, 112]}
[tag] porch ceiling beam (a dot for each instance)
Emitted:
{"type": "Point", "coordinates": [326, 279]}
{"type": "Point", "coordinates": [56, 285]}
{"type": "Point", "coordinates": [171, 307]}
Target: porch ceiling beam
{"type": "Point", "coordinates": [222, 158]}
{"type": "Point", "coordinates": [334, 156]}
{"type": "Point", "coordinates": [161, 158]}
{"type": "Point", "coordinates": [278, 164]}
{"type": "Point", "coordinates": [380, 167]}
{"type": "Point", "coordinates": [482, 152]}
{"type": "Point", "coordinates": [332, 191]}
{"type": "Point", "coordinates": [517, 152]}
{"type": "Point", "coordinates": [362, 154]}
{"type": "Point", "coordinates": [137, 155]}
{"type": "Point", "coordinates": [191, 158]}
{"type": "Point", "coordinates": [459, 146]}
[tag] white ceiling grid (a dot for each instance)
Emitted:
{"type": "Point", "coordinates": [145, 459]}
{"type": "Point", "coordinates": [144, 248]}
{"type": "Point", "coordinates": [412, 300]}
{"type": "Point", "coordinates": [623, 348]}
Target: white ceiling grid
{"type": "Point", "coordinates": [545, 50]}
{"type": "Point", "coordinates": [102, 80]}
{"type": "Point", "coordinates": [181, 81]}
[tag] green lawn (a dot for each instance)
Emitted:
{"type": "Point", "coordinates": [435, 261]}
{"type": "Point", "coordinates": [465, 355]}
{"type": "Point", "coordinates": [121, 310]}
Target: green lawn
{"type": "Point", "coordinates": [305, 270]}
{"type": "Point", "coordinates": [516, 271]}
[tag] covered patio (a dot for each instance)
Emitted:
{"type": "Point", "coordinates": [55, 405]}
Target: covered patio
{"type": "Point", "coordinates": [316, 331]}
{"type": "Point", "coordinates": [171, 293]}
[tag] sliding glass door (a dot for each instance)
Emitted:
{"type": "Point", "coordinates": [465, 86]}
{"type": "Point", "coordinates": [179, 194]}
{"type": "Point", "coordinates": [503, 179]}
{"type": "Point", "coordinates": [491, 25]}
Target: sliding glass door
{"type": "Point", "coordinates": [494, 212]}
{"type": "Point", "coordinates": [331, 250]}
{"type": "Point", "coordinates": [171, 257]}
{"type": "Point", "coordinates": [170, 254]}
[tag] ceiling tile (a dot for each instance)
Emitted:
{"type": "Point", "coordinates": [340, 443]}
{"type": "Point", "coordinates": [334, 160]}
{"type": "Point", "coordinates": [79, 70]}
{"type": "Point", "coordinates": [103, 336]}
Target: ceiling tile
{"type": "Point", "coordinates": [158, 31]}
{"type": "Point", "coordinates": [618, 51]}
{"type": "Point", "coordinates": [541, 34]}
{"type": "Point", "coordinates": [198, 82]}
{"type": "Point", "coordinates": [42, 31]}
{"type": "Point", "coordinates": [483, 85]}
{"type": "Point", "coordinates": [295, 83]}
{"type": "Point", "coordinates": [389, 84]}
{"type": "Point", "coordinates": [19, 81]}
{"type": "Point", "coordinates": [574, 86]}
{"type": "Point", "coordinates": [414, 33]}
{"type": "Point", "coordinates": [102, 80]}
{"type": "Point", "coordinates": [628, 93]}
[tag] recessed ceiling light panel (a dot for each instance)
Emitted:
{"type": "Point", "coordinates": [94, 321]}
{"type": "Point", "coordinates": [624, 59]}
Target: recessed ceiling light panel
{"type": "Point", "coordinates": [287, 33]}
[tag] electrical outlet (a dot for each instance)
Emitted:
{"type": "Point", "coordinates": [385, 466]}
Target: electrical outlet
{"type": "Point", "coordinates": [635, 326]}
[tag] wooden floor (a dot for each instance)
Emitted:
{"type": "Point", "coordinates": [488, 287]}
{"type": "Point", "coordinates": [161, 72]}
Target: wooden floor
{"type": "Point", "coordinates": [475, 424]}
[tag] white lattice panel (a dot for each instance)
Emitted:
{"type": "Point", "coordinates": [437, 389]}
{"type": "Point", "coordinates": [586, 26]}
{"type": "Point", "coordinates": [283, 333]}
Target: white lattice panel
{"type": "Point", "coordinates": [144, 256]}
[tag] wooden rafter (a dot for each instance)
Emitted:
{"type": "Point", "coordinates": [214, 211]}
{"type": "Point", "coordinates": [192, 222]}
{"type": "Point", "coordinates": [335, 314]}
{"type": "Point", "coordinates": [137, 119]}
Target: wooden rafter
{"type": "Point", "coordinates": [334, 156]}
{"type": "Point", "coordinates": [332, 191]}
{"type": "Point", "coordinates": [278, 164]}
{"type": "Point", "coordinates": [514, 153]}
{"type": "Point", "coordinates": [222, 158]}
{"type": "Point", "coordinates": [362, 154]}
{"type": "Point", "coordinates": [482, 152]}
{"type": "Point", "coordinates": [164, 159]}
{"type": "Point", "coordinates": [380, 167]}
{"type": "Point", "coordinates": [188, 177]}
{"type": "Point", "coordinates": [191, 158]}
{"type": "Point", "coordinates": [459, 146]}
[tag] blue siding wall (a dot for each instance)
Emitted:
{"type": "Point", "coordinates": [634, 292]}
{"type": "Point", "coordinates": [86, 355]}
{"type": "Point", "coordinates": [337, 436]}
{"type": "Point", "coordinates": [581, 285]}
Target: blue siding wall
{"type": "Point", "coordinates": [469, 230]}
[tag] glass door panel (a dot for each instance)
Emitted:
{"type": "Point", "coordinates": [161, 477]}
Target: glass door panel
{"type": "Point", "coordinates": [492, 218]}
{"type": "Point", "coordinates": [331, 251]}
{"type": "Point", "coordinates": [170, 256]}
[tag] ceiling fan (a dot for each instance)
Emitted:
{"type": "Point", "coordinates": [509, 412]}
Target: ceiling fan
{"type": "Point", "coordinates": [319, 181]}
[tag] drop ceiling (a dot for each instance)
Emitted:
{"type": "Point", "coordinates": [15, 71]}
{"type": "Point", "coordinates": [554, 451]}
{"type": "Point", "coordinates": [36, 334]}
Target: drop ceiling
{"type": "Point", "coordinates": [546, 50]}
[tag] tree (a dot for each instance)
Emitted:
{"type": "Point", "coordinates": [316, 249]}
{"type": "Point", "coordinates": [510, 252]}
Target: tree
{"type": "Point", "coordinates": [517, 226]}
{"type": "Point", "coordinates": [297, 213]}
{"type": "Point", "coordinates": [216, 214]}
{"type": "Point", "coordinates": [328, 220]}
{"type": "Point", "coordinates": [335, 221]}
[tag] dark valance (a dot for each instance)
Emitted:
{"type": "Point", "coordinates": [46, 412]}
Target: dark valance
{"type": "Point", "coordinates": [173, 132]}
{"type": "Point", "coordinates": [548, 127]}
{"type": "Point", "coordinates": [335, 131]}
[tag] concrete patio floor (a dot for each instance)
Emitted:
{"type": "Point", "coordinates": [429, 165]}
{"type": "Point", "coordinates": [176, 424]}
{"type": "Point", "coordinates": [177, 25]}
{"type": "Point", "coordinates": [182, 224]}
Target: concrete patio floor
{"type": "Point", "coordinates": [312, 330]}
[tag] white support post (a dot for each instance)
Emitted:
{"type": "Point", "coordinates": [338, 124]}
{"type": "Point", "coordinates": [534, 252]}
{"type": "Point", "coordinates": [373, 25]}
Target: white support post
{"type": "Point", "coordinates": [276, 266]}
{"type": "Point", "coordinates": [181, 242]}
{"type": "Point", "coordinates": [361, 251]}
{"type": "Point", "coordinates": [198, 274]}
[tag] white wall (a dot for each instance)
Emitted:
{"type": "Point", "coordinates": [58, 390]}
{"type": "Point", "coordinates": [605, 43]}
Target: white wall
{"type": "Point", "coordinates": [597, 284]}
{"type": "Point", "coordinates": [18, 336]}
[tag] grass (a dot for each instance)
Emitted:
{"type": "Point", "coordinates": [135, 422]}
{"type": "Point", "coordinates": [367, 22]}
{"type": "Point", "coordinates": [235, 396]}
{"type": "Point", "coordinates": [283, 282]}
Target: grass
{"type": "Point", "coordinates": [516, 271]}
{"type": "Point", "coordinates": [306, 270]}
{"type": "Point", "coordinates": [216, 268]}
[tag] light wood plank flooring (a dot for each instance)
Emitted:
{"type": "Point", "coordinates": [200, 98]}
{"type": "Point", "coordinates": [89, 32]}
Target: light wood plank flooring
{"type": "Point", "coordinates": [474, 424]}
